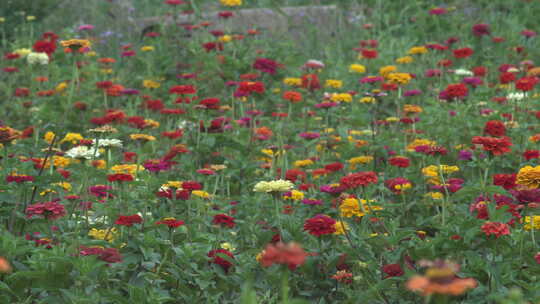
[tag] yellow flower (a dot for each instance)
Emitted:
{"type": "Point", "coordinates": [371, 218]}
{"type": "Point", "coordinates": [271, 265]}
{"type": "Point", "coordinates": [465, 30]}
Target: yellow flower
{"type": "Point", "coordinates": [273, 186]}
{"type": "Point", "coordinates": [338, 97]}
{"type": "Point", "coordinates": [333, 83]}
{"type": "Point", "coordinates": [435, 195]}
{"type": "Point", "coordinates": [303, 163]}
{"type": "Point", "coordinates": [399, 78]}
{"type": "Point", "coordinates": [409, 108]}
{"type": "Point", "coordinates": [22, 52]}
{"type": "Point", "coordinates": [225, 38]}
{"type": "Point", "coordinates": [367, 99]}
{"type": "Point", "coordinates": [61, 87]}
{"type": "Point", "coordinates": [357, 68]}
{"type": "Point", "coordinates": [404, 60]}
{"type": "Point", "coordinates": [151, 84]}
{"type": "Point", "coordinates": [417, 50]}
{"type": "Point", "coordinates": [227, 246]}
{"type": "Point", "coordinates": [535, 219]}
{"type": "Point", "coordinates": [73, 138]}
{"type": "Point", "coordinates": [392, 119]}
{"type": "Point", "coordinates": [386, 70]}
{"type": "Point", "coordinates": [142, 137]}
{"type": "Point", "coordinates": [76, 43]}
{"type": "Point", "coordinates": [350, 207]}
{"type": "Point", "coordinates": [340, 227]}
{"type": "Point", "coordinates": [61, 162]}
{"type": "Point", "coordinates": [231, 2]}
{"type": "Point", "coordinates": [201, 193]}
{"type": "Point", "coordinates": [103, 234]}
{"type": "Point", "coordinates": [295, 195]}
{"type": "Point", "coordinates": [127, 168]}
{"type": "Point", "coordinates": [173, 184]}
{"type": "Point", "coordinates": [64, 185]}
{"type": "Point", "coordinates": [420, 142]}
{"type": "Point", "coordinates": [30, 18]}
{"type": "Point", "coordinates": [48, 137]}
{"type": "Point", "coordinates": [91, 54]}
{"type": "Point", "coordinates": [147, 48]}
{"type": "Point", "coordinates": [276, 90]}
{"type": "Point", "coordinates": [359, 160]}
{"type": "Point", "coordinates": [295, 82]}
{"type": "Point", "coordinates": [529, 176]}
{"type": "Point", "coordinates": [100, 164]}
{"type": "Point", "coordinates": [151, 123]}
{"type": "Point", "coordinates": [106, 71]}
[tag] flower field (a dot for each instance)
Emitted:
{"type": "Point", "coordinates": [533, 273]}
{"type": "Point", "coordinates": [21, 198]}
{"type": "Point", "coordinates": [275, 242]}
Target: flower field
{"type": "Point", "coordinates": [391, 157]}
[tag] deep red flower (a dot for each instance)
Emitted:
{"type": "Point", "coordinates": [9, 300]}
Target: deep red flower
{"type": "Point", "coordinates": [507, 181]}
{"type": "Point", "coordinates": [49, 210]}
{"type": "Point", "coordinates": [311, 82]}
{"type": "Point", "coordinates": [456, 90]}
{"type": "Point", "coordinates": [392, 270]}
{"type": "Point", "coordinates": [223, 220]}
{"type": "Point", "coordinates": [369, 53]}
{"type": "Point", "coordinates": [320, 225]}
{"type": "Point", "coordinates": [120, 177]}
{"type": "Point", "coordinates": [494, 145]}
{"type": "Point", "coordinates": [334, 167]}
{"type": "Point", "coordinates": [355, 180]}
{"type": "Point", "coordinates": [399, 161]}
{"type": "Point", "coordinates": [109, 255]}
{"type": "Point", "coordinates": [398, 181]}
{"type": "Point", "coordinates": [294, 174]}
{"type": "Point", "coordinates": [479, 71]}
{"type": "Point", "coordinates": [210, 103]}
{"type": "Point", "coordinates": [183, 89]}
{"type": "Point", "coordinates": [266, 65]}
{"type": "Point", "coordinates": [128, 220]}
{"type": "Point", "coordinates": [495, 228]}
{"type": "Point", "coordinates": [171, 222]}
{"type": "Point", "coordinates": [217, 258]}
{"type": "Point", "coordinates": [526, 83]}
{"type": "Point", "coordinates": [463, 52]}
{"type": "Point", "coordinates": [507, 77]}
{"type": "Point", "coordinates": [480, 29]}
{"type": "Point", "coordinates": [531, 154]}
{"type": "Point", "coordinates": [495, 128]}
{"type": "Point", "coordinates": [19, 178]}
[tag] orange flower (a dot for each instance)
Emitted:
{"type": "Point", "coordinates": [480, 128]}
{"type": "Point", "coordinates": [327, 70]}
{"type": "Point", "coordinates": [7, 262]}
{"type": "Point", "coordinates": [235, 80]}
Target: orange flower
{"type": "Point", "coordinates": [290, 254]}
{"type": "Point", "coordinates": [440, 278]}
{"type": "Point", "coordinates": [263, 133]}
{"type": "Point", "coordinates": [292, 96]}
{"type": "Point", "coordinates": [5, 267]}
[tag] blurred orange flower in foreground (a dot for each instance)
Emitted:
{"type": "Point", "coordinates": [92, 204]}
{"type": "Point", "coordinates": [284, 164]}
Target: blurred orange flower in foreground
{"type": "Point", "coordinates": [5, 267]}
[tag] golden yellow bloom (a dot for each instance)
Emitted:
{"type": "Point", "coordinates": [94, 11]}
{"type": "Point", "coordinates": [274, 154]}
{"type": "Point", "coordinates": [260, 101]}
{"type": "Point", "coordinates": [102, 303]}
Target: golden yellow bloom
{"type": "Point", "coordinates": [295, 195]}
{"type": "Point", "coordinates": [103, 234]}
{"type": "Point", "coordinates": [227, 246]}
{"type": "Point", "coordinates": [61, 87]}
{"type": "Point", "coordinates": [353, 162]}
{"type": "Point", "coordinates": [385, 70]}
{"type": "Point", "coordinates": [142, 137]}
{"type": "Point", "coordinates": [48, 137]}
{"type": "Point", "coordinates": [151, 123]}
{"type": "Point", "coordinates": [532, 222]}
{"type": "Point", "coordinates": [420, 142]}
{"type": "Point", "coordinates": [225, 38]}
{"type": "Point", "coordinates": [99, 164]}
{"type": "Point", "coordinates": [61, 162]}
{"type": "Point", "coordinates": [303, 163]}
{"type": "Point", "coordinates": [351, 206]}
{"type": "Point", "coordinates": [173, 184]}
{"type": "Point", "coordinates": [404, 60]}
{"type": "Point", "coordinates": [151, 84]}
{"type": "Point", "coordinates": [340, 227]}
{"type": "Point", "coordinates": [417, 50]}
{"type": "Point", "coordinates": [409, 108]}
{"type": "Point", "coordinates": [64, 185]}
{"type": "Point", "coordinates": [367, 99]}
{"type": "Point", "coordinates": [357, 68]}
{"type": "Point", "coordinates": [435, 195]}
{"type": "Point", "coordinates": [339, 97]}
{"type": "Point", "coordinates": [72, 138]}
{"type": "Point", "coordinates": [231, 2]}
{"type": "Point", "coordinates": [147, 48]}
{"type": "Point", "coordinates": [76, 44]}
{"type": "Point", "coordinates": [127, 168]}
{"type": "Point", "coordinates": [201, 193]}
{"type": "Point", "coordinates": [399, 78]}
{"type": "Point", "coordinates": [295, 82]}
{"type": "Point", "coordinates": [529, 176]}
{"type": "Point", "coordinates": [333, 83]}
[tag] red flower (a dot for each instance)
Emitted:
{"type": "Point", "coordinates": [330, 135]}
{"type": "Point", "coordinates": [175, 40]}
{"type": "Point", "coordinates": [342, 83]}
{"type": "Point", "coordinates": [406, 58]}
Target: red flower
{"type": "Point", "coordinates": [173, 134]}
{"type": "Point", "coordinates": [507, 181]}
{"type": "Point", "coordinates": [294, 174]}
{"type": "Point", "coordinates": [526, 83]}
{"type": "Point", "coordinates": [334, 167]}
{"type": "Point", "coordinates": [210, 103]}
{"type": "Point", "coordinates": [495, 128]}
{"type": "Point", "coordinates": [110, 255]}
{"type": "Point", "coordinates": [392, 270]}
{"type": "Point", "coordinates": [266, 65]}
{"type": "Point", "coordinates": [128, 220]}
{"type": "Point", "coordinates": [19, 178]}
{"type": "Point", "coordinates": [495, 228]}
{"type": "Point", "coordinates": [183, 89]}
{"type": "Point", "coordinates": [171, 222]}
{"type": "Point", "coordinates": [49, 210]}
{"type": "Point", "coordinates": [537, 258]}
{"type": "Point", "coordinates": [480, 29]}
{"type": "Point", "coordinates": [368, 53]}
{"type": "Point", "coordinates": [456, 90]}
{"type": "Point", "coordinates": [223, 220]}
{"type": "Point", "coordinates": [530, 154]}
{"type": "Point", "coordinates": [217, 259]}
{"type": "Point", "coordinates": [120, 177]}
{"type": "Point", "coordinates": [497, 146]}
{"type": "Point", "coordinates": [398, 181]}
{"type": "Point", "coordinates": [399, 161]}
{"type": "Point", "coordinates": [463, 52]}
{"type": "Point", "coordinates": [245, 88]}
{"type": "Point", "coordinates": [290, 254]}
{"type": "Point", "coordinates": [311, 82]}
{"type": "Point", "coordinates": [354, 180]}
{"type": "Point", "coordinates": [506, 77]}
{"type": "Point", "coordinates": [319, 225]}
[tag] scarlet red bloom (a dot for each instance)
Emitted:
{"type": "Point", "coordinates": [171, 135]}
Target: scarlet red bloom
{"type": "Point", "coordinates": [355, 180]}
{"type": "Point", "coordinates": [495, 228]}
{"type": "Point", "coordinates": [495, 128]}
{"type": "Point", "coordinates": [171, 222]}
{"type": "Point", "coordinates": [19, 178]}
{"type": "Point", "coordinates": [526, 83]}
{"type": "Point", "coordinates": [210, 103]}
{"type": "Point", "coordinates": [217, 258]}
{"type": "Point", "coordinates": [223, 220]}
{"type": "Point", "coordinates": [245, 88]}
{"type": "Point", "coordinates": [496, 146]}
{"type": "Point", "coordinates": [173, 134]}
{"type": "Point", "coordinates": [399, 161]}
{"type": "Point", "coordinates": [506, 77]}
{"type": "Point", "coordinates": [182, 89]}
{"type": "Point", "coordinates": [396, 184]}
{"type": "Point", "coordinates": [290, 254]}
{"type": "Point", "coordinates": [311, 82]}
{"type": "Point", "coordinates": [292, 96]}
{"type": "Point", "coordinates": [334, 167]}
{"type": "Point", "coordinates": [531, 154]}
{"type": "Point", "coordinates": [128, 220]}
{"type": "Point", "coordinates": [320, 225]}
{"type": "Point", "coordinates": [120, 177]}
{"type": "Point", "coordinates": [369, 53]}
{"type": "Point", "coordinates": [507, 181]}
{"type": "Point", "coordinates": [463, 52]}
{"type": "Point", "coordinates": [294, 174]}
{"type": "Point", "coordinates": [456, 90]}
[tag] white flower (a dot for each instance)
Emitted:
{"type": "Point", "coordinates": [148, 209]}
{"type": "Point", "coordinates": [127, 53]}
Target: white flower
{"type": "Point", "coordinates": [516, 96]}
{"type": "Point", "coordinates": [463, 72]}
{"type": "Point", "coordinates": [82, 152]}
{"type": "Point", "coordinates": [116, 143]}
{"type": "Point", "coordinates": [40, 58]}
{"type": "Point", "coordinates": [273, 186]}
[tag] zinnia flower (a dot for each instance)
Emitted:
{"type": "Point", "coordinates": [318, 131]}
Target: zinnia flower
{"type": "Point", "coordinates": [273, 186]}
{"type": "Point", "coordinates": [529, 176]}
{"type": "Point", "coordinates": [320, 225]}
{"type": "Point", "coordinates": [217, 258]}
{"type": "Point", "coordinates": [290, 254]}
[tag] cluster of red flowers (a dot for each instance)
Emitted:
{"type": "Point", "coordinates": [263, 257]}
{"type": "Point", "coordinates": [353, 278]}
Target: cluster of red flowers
{"type": "Point", "coordinates": [355, 180]}
{"type": "Point", "coordinates": [494, 145]}
{"type": "Point", "coordinates": [320, 225]}
{"type": "Point", "coordinates": [128, 220]}
{"type": "Point", "coordinates": [109, 255]}
{"type": "Point", "coordinates": [48, 210]}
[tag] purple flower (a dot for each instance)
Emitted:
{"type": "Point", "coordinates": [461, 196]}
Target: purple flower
{"type": "Point", "coordinates": [465, 155]}
{"type": "Point", "coordinates": [412, 93]}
